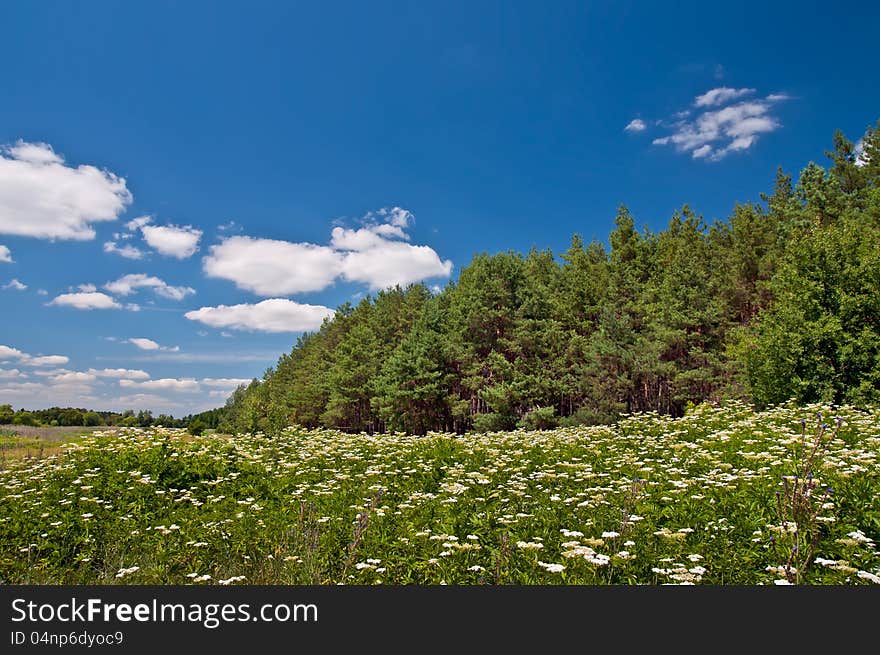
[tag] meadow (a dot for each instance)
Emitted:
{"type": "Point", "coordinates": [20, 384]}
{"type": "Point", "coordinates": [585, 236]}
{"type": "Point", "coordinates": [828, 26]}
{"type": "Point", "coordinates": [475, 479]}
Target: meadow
{"type": "Point", "coordinates": [723, 495]}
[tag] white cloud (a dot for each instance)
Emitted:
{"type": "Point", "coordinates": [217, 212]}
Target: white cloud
{"type": "Point", "coordinates": [137, 223]}
{"type": "Point", "coordinates": [714, 134]}
{"type": "Point", "coordinates": [72, 377]}
{"type": "Point", "coordinates": [149, 344]}
{"type": "Point", "coordinates": [778, 97]}
{"type": "Point", "coordinates": [273, 315]}
{"type": "Point", "coordinates": [396, 216]}
{"type": "Point", "coordinates": [635, 125]}
{"type": "Point", "coordinates": [270, 267]}
{"type": "Point", "coordinates": [139, 401]}
{"type": "Point", "coordinates": [10, 373]}
{"type": "Point", "coordinates": [128, 284]}
{"type": "Point", "coordinates": [46, 360]}
{"type": "Point", "coordinates": [225, 383]}
{"type": "Point", "coordinates": [5, 255]}
{"type": "Point", "coordinates": [49, 373]}
{"type": "Point", "coordinates": [87, 288]}
{"type": "Point", "coordinates": [392, 263]}
{"type": "Point", "coordinates": [86, 300]}
{"type": "Point", "coordinates": [126, 250]}
{"type": "Point", "coordinates": [15, 285]}
{"type": "Point", "coordinates": [42, 197]}
{"type": "Point", "coordinates": [120, 373]}
{"type": "Point", "coordinates": [172, 240]}
{"type": "Point", "coordinates": [375, 254]}
{"type": "Point", "coordinates": [859, 152]}
{"type": "Point", "coordinates": [8, 353]}
{"type": "Point", "coordinates": [21, 387]}
{"type": "Point", "coordinates": [219, 357]}
{"type": "Point", "coordinates": [719, 96]}
{"type": "Point", "coordinates": [163, 384]}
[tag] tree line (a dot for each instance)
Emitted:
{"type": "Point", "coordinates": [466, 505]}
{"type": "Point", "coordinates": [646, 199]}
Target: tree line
{"type": "Point", "coordinates": [74, 416]}
{"type": "Point", "coordinates": [779, 301]}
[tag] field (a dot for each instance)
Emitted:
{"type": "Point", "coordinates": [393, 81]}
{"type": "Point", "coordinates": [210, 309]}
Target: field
{"type": "Point", "coordinates": [27, 441]}
{"type": "Point", "coordinates": [723, 495]}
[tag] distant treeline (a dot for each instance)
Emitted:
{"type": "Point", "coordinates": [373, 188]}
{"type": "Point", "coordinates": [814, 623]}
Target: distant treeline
{"type": "Point", "coordinates": [73, 416]}
{"type": "Point", "coordinates": [779, 301]}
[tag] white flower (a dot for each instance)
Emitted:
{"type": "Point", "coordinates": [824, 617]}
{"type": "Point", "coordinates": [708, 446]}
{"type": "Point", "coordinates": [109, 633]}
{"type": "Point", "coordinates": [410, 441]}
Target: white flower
{"type": "Point", "coordinates": [864, 575]}
{"type": "Point", "coordinates": [124, 572]}
{"type": "Point", "coordinates": [228, 581]}
{"type": "Point", "coordinates": [610, 535]}
{"type": "Point", "coordinates": [552, 568]}
{"type": "Point", "coordinates": [598, 559]}
{"type": "Point", "coordinates": [529, 545]}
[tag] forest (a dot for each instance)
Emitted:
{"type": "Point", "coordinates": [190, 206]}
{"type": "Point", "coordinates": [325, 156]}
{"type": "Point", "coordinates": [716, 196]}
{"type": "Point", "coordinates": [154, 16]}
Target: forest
{"type": "Point", "coordinates": [779, 302]}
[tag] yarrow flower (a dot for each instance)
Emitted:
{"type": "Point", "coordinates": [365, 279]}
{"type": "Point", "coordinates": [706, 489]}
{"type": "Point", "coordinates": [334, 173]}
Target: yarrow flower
{"type": "Point", "coordinates": [552, 568]}
{"type": "Point", "coordinates": [124, 572]}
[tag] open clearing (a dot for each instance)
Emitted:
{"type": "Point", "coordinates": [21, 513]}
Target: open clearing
{"type": "Point", "coordinates": [649, 500]}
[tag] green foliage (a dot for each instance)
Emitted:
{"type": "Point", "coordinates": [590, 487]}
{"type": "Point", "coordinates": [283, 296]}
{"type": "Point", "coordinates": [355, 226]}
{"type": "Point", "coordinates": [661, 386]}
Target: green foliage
{"type": "Point", "coordinates": [779, 301]}
{"type": "Point", "coordinates": [648, 500]}
{"type": "Point", "coordinates": [196, 427]}
{"type": "Point", "coordinates": [541, 418]}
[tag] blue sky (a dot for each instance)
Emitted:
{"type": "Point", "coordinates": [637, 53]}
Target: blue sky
{"type": "Point", "coordinates": [301, 156]}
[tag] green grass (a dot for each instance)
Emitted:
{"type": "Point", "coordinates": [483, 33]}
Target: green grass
{"type": "Point", "coordinates": [650, 500]}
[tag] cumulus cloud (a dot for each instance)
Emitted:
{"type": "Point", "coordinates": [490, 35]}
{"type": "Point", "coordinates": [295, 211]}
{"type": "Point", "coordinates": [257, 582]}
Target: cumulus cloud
{"type": "Point", "coordinates": [46, 360]}
{"type": "Point", "coordinates": [163, 384]}
{"type": "Point", "coordinates": [72, 377]}
{"type": "Point", "coordinates": [5, 255]}
{"type": "Point", "coordinates": [16, 388]}
{"type": "Point", "coordinates": [273, 315]}
{"type": "Point", "coordinates": [713, 134]}
{"type": "Point", "coordinates": [149, 344]}
{"type": "Point", "coordinates": [395, 216]}
{"type": "Point", "coordinates": [139, 401]}
{"type": "Point", "coordinates": [86, 300]}
{"type": "Point", "coordinates": [172, 240]}
{"type": "Point", "coordinates": [392, 263]}
{"type": "Point", "coordinates": [269, 267]}
{"type": "Point", "coordinates": [719, 96]}
{"type": "Point", "coordinates": [128, 284]}
{"type": "Point", "coordinates": [125, 250]}
{"type": "Point", "coordinates": [225, 383]}
{"type": "Point", "coordinates": [136, 224]}
{"type": "Point", "coordinates": [11, 373]}
{"type": "Point", "coordinates": [377, 254]}
{"type": "Point", "coordinates": [42, 197]}
{"type": "Point", "coordinates": [120, 373]}
{"type": "Point", "coordinates": [7, 353]}
{"type": "Point", "coordinates": [15, 285]}
{"type": "Point", "coordinates": [635, 125]}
